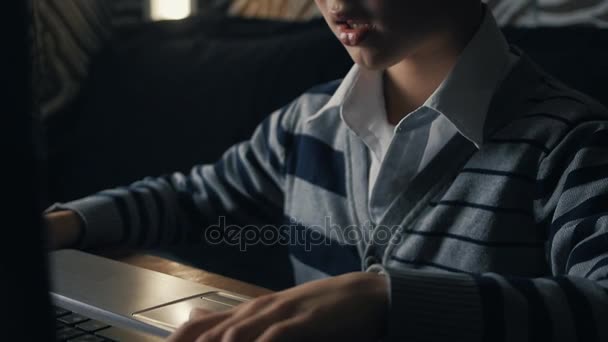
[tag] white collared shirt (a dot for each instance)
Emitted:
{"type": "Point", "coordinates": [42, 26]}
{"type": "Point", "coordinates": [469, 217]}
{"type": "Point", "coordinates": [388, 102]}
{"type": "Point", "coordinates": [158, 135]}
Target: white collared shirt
{"type": "Point", "coordinates": [459, 105]}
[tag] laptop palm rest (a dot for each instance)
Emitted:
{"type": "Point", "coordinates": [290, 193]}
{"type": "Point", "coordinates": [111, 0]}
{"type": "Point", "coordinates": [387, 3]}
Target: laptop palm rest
{"type": "Point", "coordinates": [128, 296]}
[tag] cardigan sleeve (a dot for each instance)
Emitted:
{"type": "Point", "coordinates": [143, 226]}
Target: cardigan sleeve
{"type": "Point", "coordinates": [569, 304]}
{"type": "Point", "coordinates": [244, 187]}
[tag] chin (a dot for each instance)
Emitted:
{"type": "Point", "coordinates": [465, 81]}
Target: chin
{"type": "Point", "coordinates": [371, 59]}
{"type": "Point", "coordinates": [368, 60]}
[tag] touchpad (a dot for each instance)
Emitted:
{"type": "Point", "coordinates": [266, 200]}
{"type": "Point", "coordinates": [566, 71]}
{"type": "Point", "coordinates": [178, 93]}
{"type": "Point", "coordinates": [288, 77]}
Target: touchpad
{"type": "Point", "coordinates": [174, 314]}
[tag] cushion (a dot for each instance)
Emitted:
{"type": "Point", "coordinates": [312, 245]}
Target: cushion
{"type": "Point", "coordinates": [534, 13]}
{"type": "Point", "coordinates": [67, 34]}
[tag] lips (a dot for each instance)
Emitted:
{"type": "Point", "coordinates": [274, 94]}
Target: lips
{"type": "Point", "coordinates": [353, 32]}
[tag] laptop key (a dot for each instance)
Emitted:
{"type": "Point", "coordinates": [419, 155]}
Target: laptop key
{"type": "Point", "coordinates": [72, 319]}
{"type": "Point", "coordinates": [88, 338]}
{"type": "Point", "coordinates": [92, 326]}
{"type": "Point", "coordinates": [66, 333]}
{"type": "Point", "coordinates": [60, 311]}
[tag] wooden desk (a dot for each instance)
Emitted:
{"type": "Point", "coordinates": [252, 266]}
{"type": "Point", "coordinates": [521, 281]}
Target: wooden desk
{"type": "Point", "coordinates": [176, 269]}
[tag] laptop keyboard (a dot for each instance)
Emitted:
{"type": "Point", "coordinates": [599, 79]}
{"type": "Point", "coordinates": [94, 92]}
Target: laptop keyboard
{"type": "Point", "coordinates": [77, 328]}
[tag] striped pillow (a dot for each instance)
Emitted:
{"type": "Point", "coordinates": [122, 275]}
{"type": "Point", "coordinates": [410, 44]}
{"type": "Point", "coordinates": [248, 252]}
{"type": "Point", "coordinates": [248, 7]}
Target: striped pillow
{"type": "Point", "coordinates": [67, 33]}
{"type": "Point", "coordinates": [533, 13]}
{"type": "Point", "coordinates": [529, 13]}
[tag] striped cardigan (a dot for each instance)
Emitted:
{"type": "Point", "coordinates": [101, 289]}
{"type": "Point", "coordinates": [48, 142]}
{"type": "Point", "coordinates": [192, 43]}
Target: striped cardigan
{"type": "Point", "coordinates": [505, 242]}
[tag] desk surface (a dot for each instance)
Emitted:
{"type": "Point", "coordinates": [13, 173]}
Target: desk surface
{"type": "Point", "coordinates": [176, 269]}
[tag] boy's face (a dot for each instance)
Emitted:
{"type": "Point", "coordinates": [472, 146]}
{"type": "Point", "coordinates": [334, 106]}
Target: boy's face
{"type": "Point", "coordinates": [381, 33]}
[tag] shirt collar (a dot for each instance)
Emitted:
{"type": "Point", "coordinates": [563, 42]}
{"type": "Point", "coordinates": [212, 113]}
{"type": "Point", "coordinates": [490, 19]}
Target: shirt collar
{"type": "Point", "coordinates": [464, 97]}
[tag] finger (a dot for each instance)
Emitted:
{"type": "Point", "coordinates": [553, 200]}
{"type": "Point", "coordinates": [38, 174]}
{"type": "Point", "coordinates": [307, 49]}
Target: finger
{"type": "Point", "coordinates": [220, 331]}
{"type": "Point", "coordinates": [192, 329]}
{"type": "Point", "coordinates": [261, 312]}
{"type": "Point", "coordinates": [248, 329]}
{"type": "Point", "coordinates": [290, 330]}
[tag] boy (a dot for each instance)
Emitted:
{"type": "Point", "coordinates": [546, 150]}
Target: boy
{"type": "Point", "coordinates": [459, 193]}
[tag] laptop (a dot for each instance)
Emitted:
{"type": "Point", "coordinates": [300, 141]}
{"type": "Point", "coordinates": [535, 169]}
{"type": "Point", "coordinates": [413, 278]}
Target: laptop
{"type": "Point", "coordinates": [71, 295]}
{"type": "Point", "coordinates": [85, 286]}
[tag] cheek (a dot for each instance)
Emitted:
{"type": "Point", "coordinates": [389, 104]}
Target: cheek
{"type": "Point", "coordinates": [374, 58]}
{"type": "Point", "coordinates": [374, 6]}
{"type": "Point", "coordinates": [321, 5]}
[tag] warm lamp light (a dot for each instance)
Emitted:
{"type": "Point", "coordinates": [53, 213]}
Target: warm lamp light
{"type": "Point", "coordinates": [170, 9]}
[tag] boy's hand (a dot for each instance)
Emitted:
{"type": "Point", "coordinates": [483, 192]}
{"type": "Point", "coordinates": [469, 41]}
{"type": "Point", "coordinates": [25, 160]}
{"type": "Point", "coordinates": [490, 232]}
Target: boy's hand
{"type": "Point", "coordinates": [351, 307]}
{"type": "Point", "coordinates": [64, 229]}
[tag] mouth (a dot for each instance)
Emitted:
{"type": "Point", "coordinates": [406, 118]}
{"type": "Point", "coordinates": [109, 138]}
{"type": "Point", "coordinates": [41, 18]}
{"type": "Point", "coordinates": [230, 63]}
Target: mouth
{"type": "Point", "coordinates": [352, 32]}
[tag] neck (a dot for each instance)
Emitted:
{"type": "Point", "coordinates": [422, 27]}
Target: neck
{"type": "Point", "coordinates": [409, 83]}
